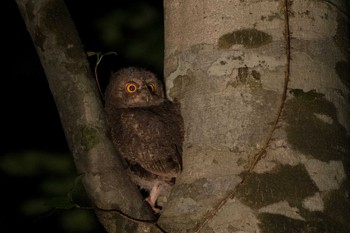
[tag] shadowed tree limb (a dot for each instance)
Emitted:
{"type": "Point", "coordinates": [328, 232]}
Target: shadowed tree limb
{"type": "Point", "coordinates": [80, 108]}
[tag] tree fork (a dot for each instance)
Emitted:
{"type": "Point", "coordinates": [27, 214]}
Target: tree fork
{"type": "Point", "coordinates": [82, 116]}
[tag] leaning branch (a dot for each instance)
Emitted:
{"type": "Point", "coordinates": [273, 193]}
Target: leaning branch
{"type": "Point", "coordinates": [80, 108]}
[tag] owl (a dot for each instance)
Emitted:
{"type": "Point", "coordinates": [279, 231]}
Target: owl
{"type": "Point", "coordinates": [146, 129]}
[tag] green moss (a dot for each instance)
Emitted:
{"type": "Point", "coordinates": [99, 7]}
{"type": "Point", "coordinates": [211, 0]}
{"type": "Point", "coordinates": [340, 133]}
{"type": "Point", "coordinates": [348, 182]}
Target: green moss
{"type": "Point", "coordinates": [288, 183]}
{"type": "Point", "coordinates": [249, 38]}
{"type": "Point", "coordinates": [272, 223]}
{"type": "Point", "coordinates": [313, 127]}
{"type": "Point", "coordinates": [89, 137]}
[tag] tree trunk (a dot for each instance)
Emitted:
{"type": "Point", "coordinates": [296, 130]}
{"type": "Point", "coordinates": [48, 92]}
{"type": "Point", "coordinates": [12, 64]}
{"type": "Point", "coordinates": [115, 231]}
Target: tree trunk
{"type": "Point", "coordinates": [78, 102]}
{"type": "Point", "coordinates": [264, 92]}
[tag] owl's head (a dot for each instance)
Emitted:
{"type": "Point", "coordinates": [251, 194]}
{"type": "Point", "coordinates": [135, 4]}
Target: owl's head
{"type": "Point", "coordinates": [134, 87]}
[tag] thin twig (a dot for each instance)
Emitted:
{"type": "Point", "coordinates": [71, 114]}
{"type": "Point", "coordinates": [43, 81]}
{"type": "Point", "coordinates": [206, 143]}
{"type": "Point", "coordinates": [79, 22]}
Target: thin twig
{"type": "Point", "coordinates": [99, 59]}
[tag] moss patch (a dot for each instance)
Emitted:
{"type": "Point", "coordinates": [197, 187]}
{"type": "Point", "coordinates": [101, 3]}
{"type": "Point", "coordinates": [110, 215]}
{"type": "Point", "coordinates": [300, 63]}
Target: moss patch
{"type": "Point", "coordinates": [89, 137]}
{"type": "Point", "coordinates": [313, 127]}
{"type": "Point", "coordinates": [249, 38]}
{"type": "Point", "coordinates": [290, 183]}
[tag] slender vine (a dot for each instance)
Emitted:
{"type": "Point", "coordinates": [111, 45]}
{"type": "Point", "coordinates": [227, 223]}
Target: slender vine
{"type": "Point", "coordinates": [258, 156]}
{"type": "Point", "coordinates": [99, 56]}
{"type": "Point", "coordinates": [136, 220]}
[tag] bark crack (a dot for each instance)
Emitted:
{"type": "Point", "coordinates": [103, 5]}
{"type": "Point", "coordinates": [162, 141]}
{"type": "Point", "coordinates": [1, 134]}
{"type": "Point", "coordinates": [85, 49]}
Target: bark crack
{"type": "Point", "coordinates": [261, 154]}
{"type": "Point", "coordinates": [133, 219]}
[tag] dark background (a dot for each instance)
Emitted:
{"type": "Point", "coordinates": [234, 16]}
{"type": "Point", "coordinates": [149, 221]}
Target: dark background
{"type": "Point", "coordinates": [39, 183]}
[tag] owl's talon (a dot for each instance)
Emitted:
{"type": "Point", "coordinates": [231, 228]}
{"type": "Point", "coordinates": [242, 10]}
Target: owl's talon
{"type": "Point", "coordinates": [153, 205]}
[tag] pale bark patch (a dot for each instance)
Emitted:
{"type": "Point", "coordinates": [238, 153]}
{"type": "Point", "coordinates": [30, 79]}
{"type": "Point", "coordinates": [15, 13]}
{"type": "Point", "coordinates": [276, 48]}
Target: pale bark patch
{"type": "Point", "coordinates": [282, 208]}
{"type": "Point", "coordinates": [327, 176]}
{"type": "Point", "coordinates": [314, 203]}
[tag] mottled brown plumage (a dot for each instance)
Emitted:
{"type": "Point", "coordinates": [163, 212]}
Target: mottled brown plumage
{"type": "Point", "coordinates": [146, 129]}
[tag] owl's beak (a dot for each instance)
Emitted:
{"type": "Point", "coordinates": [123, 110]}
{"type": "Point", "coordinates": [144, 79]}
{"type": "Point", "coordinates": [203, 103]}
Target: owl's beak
{"type": "Point", "coordinates": [147, 98]}
{"type": "Point", "coordinates": [147, 94]}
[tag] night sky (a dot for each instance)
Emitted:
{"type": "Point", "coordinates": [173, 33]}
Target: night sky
{"type": "Point", "coordinates": [36, 167]}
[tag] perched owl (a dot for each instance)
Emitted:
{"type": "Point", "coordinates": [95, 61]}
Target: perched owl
{"type": "Point", "coordinates": [146, 129]}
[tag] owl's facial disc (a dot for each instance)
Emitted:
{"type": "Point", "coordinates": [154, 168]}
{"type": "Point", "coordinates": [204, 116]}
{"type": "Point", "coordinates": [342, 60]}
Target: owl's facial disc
{"type": "Point", "coordinates": [142, 95]}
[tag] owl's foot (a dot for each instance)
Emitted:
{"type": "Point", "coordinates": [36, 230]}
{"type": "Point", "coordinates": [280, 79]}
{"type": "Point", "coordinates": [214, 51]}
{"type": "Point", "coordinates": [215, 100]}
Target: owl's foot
{"type": "Point", "coordinates": [153, 205]}
{"type": "Point", "coordinates": [153, 196]}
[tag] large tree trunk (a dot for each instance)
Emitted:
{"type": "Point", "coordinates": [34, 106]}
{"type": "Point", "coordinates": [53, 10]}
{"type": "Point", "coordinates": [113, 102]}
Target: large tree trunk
{"type": "Point", "coordinates": [264, 92]}
{"type": "Point", "coordinates": [78, 102]}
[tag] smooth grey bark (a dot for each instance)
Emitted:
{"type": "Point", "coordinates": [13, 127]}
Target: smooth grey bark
{"type": "Point", "coordinates": [78, 102]}
{"type": "Point", "coordinates": [264, 92]}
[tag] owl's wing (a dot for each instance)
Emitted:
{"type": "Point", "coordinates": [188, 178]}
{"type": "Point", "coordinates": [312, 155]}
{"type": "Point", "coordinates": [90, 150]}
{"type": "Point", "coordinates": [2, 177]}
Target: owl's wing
{"type": "Point", "coordinates": [156, 136]}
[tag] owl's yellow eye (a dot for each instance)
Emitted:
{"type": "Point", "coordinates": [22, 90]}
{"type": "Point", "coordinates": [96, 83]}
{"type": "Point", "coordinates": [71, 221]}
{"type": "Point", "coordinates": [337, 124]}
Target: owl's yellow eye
{"type": "Point", "coordinates": [151, 87]}
{"type": "Point", "coordinates": [130, 87]}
